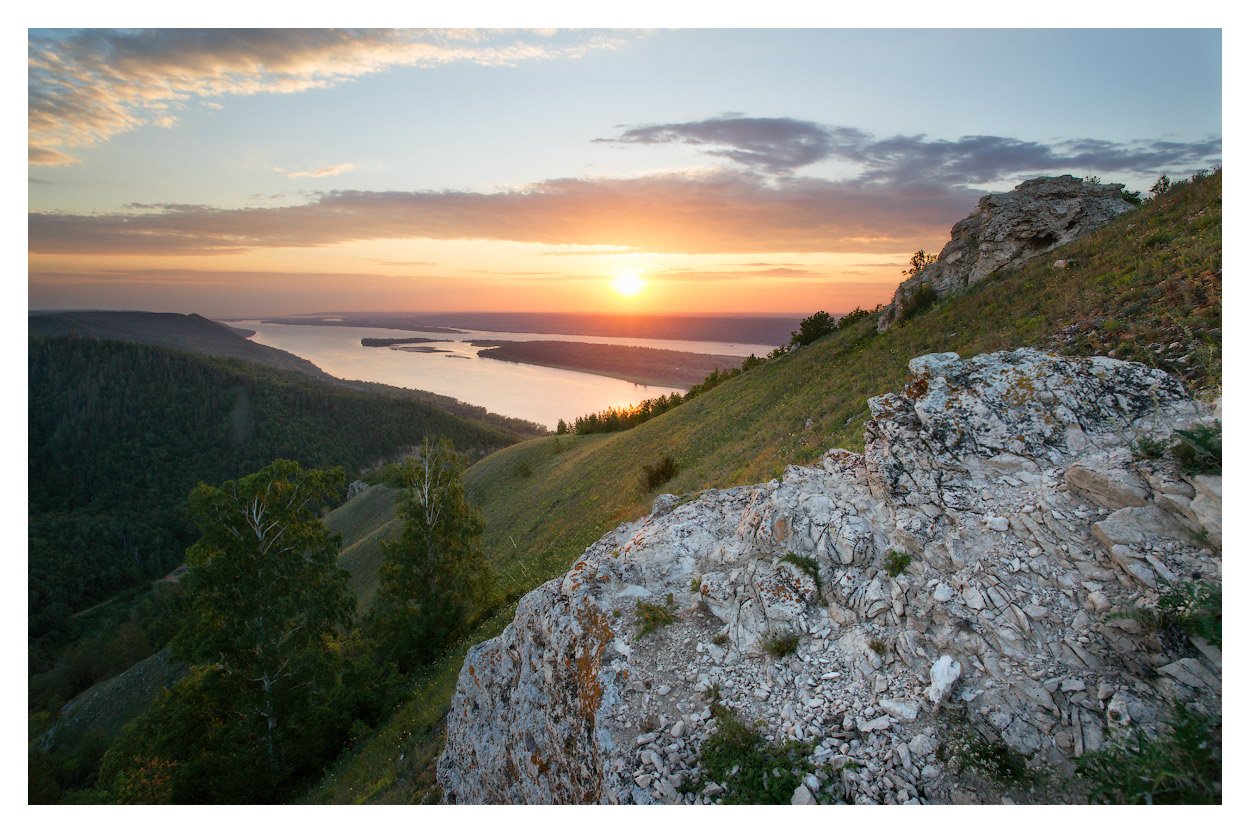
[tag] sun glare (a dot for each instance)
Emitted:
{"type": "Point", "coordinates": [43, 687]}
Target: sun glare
{"type": "Point", "coordinates": [629, 284]}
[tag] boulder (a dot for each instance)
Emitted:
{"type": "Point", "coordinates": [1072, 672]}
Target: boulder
{"type": "Point", "coordinates": [1009, 628]}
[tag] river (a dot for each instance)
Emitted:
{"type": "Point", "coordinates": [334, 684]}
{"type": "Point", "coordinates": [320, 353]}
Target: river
{"type": "Point", "coordinates": [541, 394]}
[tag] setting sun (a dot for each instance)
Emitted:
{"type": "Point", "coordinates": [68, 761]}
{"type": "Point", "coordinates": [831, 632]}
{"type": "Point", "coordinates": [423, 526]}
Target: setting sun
{"type": "Point", "coordinates": [629, 284]}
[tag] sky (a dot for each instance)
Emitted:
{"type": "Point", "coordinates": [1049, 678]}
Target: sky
{"type": "Point", "coordinates": [236, 173]}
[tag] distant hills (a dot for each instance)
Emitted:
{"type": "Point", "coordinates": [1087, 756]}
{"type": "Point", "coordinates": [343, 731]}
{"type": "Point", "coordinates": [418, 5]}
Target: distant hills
{"type": "Point", "coordinates": [741, 329]}
{"type": "Point", "coordinates": [197, 334]}
{"type": "Point", "coordinates": [193, 333]}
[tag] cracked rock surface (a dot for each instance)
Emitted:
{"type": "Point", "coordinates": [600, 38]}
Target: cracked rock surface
{"type": "Point", "coordinates": [1008, 229]}
{"type": "Point", "coordinates": [1008, 482]}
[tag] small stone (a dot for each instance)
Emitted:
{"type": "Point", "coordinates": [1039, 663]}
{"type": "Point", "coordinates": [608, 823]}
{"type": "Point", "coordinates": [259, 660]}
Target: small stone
{"type": "Point", "coordinates": [679, 729]}
{"type": "Point", "coordinates": [996, 523]}
{"type": "Point", "coordinates": [901, 709]}
{"type": "Point", "coordinates": [643, 781]}
{"type": "Point", "coordinates": [802, 795]}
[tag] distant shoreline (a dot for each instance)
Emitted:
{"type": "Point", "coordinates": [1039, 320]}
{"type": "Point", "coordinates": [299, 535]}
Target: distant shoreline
{"type": "Point", "coordinates": [723, 329]}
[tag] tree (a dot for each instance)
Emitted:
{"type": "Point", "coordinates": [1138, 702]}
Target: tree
{"type": "Point", "coordinates": [265, 599]}
{"type": "Point", "coordinates": [813, 327]}
{"type": "Point", "coordinates": [434, 578]}
{"type": "Point", "coordinates": [919, 261]}
{"type": "Point", "coordinates": [562, 427]}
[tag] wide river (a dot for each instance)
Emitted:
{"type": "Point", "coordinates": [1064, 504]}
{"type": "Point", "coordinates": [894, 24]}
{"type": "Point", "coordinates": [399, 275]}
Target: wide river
{"type": "Point", "coordinates": [541, 394]}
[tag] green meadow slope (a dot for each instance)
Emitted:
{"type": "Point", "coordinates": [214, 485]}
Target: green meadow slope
{"type": "Point", "coordinates": [364, 522]}
{"type": "Point", "coordinates": [1146, 287]}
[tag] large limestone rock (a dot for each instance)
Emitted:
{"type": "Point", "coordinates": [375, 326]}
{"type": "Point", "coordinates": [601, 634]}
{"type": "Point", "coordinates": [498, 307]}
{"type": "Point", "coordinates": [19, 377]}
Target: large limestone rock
{"type": "Point", "coordinates": [999, 624]}
{"type": "Point", "coordinates": [1008, 229]}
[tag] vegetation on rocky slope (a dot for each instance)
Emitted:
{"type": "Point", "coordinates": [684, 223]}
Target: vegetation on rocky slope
{"type": "Point", "coordinates": [1147, 287]}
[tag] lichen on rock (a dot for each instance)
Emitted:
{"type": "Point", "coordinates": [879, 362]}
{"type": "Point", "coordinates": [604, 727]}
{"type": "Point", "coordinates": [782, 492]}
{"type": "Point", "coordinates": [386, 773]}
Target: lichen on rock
{"type": "Point", "coordinates": [1004, 478]}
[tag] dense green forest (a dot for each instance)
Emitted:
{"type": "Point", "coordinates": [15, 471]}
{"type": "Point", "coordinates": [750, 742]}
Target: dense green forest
{"type": "Point", "coordinates": [120, 433]}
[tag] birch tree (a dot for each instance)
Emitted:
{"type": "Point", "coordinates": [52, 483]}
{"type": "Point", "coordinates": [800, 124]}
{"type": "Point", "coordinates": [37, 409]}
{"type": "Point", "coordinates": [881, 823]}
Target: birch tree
{"type": "Point", "coordinates": [265, 598]}
{"type": "Point", "coordinates": [434, 576]}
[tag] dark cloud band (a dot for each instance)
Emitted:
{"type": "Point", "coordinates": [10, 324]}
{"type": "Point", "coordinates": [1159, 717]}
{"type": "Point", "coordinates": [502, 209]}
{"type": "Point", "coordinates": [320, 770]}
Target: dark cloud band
{"type": "Point", "coordinates": [782, 145]}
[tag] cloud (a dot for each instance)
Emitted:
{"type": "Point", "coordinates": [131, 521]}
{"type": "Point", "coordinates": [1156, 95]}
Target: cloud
{"type": "Point", "coordinates": [720, 212]}
{"type": "Point", "coordinates": [334, 170]}
{"type": "Point", "coordinates": [774, 145]}
{"type": "Point", "coordinates": [379, 260]}
{"type": "Point", "coordinates": [782, 145]}
{"type": "Point", "coordinates": [48, 156]}
{"type": "Point", "coordinates": [697, 275]}
{"type": "Point", "coordinates": [89, 86]}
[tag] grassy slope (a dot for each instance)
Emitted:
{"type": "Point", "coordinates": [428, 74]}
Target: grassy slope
{"type": "Point", "coordinates": [1152, 277]}
{"type": "Point", "coordinates": [364, 522]}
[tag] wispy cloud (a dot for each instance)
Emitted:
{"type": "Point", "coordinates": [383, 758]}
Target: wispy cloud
{"type": "Point", "coordinates": [721, 212]}
{"type": "Point", "coordinates": [702, 275]}
{"type": "Point", "coordinates": [333, 170]}
{"type": "Point", "coordinates": [782, 145]}
{"type": "Point", "coordinates": [89, 86]}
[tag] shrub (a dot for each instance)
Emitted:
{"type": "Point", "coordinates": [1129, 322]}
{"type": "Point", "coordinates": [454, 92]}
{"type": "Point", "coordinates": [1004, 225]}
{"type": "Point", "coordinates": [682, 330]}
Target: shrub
{"type": "Point", "coordinates": [877, 646]}
{"type": "Point", "coordinates": [720, 639]}
{"type": "Point", "coordinates": [923, 297]}
{"type": "Point", "coordinates": [805, 563]}
{"type": "Point", "coordinates": [857, 314]}
{"type": "Point", "coordinates": [1161, 186]}
{"type": "Point", "coordinates": [813, 327]}
{"type": "Point", "coordinates": [1181, 766]}
{"type": "Point", "coordinates": [522, 469]}
{"type": "Point", "coordinates": [780, 643]}
{"type": "Point", "coordinates": [659, 473]}
{"type": "Point", "coordinates": [1199, 450]}
{"type": "Point", "coordinates": [1148, 449]}
{"type": "Point", "coordinates": [919, 261]}
{"type": "Point", "coordinates": [896, 563]}
{"type": "Point", "coordinates": [654, 616]}
{"type": "Point", "coordinates": [1194, 608]}
{"type": "Point", "coordinates": [752, 770]}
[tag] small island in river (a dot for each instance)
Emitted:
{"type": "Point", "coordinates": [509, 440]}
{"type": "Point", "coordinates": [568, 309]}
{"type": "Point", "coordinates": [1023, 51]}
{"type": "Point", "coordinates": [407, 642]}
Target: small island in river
{"type": "Point", "coordinates": [643, 365]}
{"type": "Point", "coordinates": [391, 342]}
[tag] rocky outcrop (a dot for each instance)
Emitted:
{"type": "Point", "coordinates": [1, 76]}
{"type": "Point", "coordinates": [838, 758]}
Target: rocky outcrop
{"type": "Point", "coordinates": [953, 581]}
{"type": "Point", "coordinates": [1008, 229]}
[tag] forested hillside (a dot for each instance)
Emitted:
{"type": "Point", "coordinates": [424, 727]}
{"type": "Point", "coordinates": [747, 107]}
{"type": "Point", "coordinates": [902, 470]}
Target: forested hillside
{"type": "Point", "coordinates": [194, 333]}
{"type": "Point", "coordinates": [120, 433]}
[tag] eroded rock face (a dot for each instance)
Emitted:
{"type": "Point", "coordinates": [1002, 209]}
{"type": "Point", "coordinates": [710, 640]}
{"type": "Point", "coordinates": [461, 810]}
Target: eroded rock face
{"type": "Point", "coordinates": [984, 473]}
{"type": "Point", "coordinates": [1008, 229]}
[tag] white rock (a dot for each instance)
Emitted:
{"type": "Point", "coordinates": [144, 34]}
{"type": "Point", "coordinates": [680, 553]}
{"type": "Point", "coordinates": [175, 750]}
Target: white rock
{"type": "Point", "coordinates": [802, 795]}
{"type": "Point", "coordinates": [942, 675]}
{"type": "Point", "coordinates": [901, 709]}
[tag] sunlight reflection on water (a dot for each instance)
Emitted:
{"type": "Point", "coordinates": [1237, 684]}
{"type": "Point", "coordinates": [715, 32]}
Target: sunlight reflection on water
{"type": "Point", "coordinates": [541, 394]}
